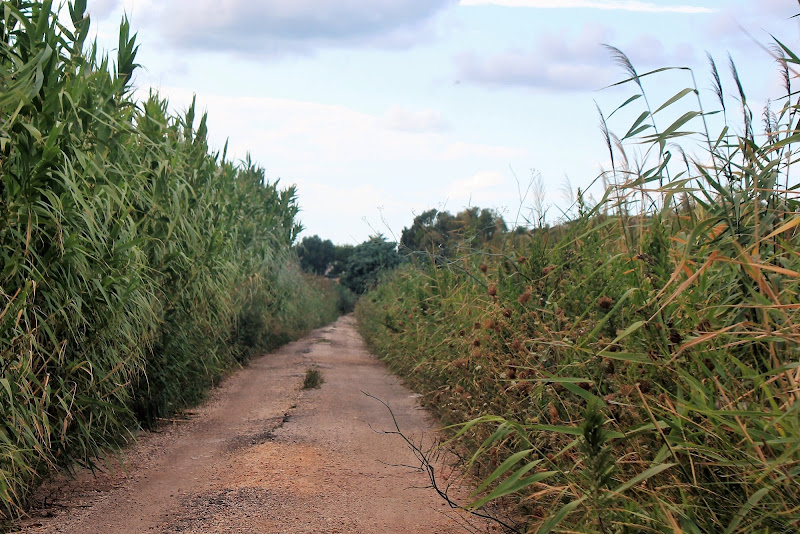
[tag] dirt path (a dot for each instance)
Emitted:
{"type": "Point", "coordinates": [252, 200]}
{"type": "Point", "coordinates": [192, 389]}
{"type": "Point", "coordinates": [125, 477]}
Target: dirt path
{"type": "Point", "coordinates": [263, 456]}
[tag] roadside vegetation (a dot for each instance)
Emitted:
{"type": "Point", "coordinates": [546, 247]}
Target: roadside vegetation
{"type": "Point", "coordinates": [313, 378]}
{"type": "Point", "coordinates": [136, 267]}
{"type": "Point", "coordinates": [357, 269]}
{"type": "Point", "coordinates": [634, 368]}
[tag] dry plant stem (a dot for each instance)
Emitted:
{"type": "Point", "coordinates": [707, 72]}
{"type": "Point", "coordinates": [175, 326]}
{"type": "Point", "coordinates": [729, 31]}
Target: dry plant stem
{"type": "Point", "coordinates": [429, 469]}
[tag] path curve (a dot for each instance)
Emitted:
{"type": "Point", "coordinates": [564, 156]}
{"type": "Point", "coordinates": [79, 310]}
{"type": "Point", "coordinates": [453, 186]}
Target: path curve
{"type": "Point", "coordinates": [264, 456]}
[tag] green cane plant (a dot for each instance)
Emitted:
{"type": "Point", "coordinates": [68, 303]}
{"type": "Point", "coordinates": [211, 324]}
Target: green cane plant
{"type": "Point", "coordinates": [633, 369]}
{"type": "Point", "coordinates": [136, 266]}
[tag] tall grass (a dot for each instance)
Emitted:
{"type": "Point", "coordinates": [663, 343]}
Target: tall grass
{"type": "Point", "coordinates": [135, 266]}
{"type": "Point", "coordinates": [634, 369]}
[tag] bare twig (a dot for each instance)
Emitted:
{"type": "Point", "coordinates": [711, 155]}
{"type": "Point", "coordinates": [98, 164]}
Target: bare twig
{"type": "Point", "coordinates": [427, 467]}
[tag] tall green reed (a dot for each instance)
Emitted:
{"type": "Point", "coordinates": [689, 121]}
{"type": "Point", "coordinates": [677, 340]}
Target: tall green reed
{"type": "Point", "coordinates": [135, 266]}
{"type": "Point", "coordinates": [656, 333]}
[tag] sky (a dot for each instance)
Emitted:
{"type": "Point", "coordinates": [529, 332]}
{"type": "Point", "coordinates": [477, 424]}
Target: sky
{"type": "Point", "coordinates": [378, 110]}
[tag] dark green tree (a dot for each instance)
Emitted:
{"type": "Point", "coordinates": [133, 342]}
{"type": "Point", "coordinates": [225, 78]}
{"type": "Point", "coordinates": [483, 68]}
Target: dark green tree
{"type": "Point", "coordinates": [340, 257]}
{"type": "Point", "coordinates": [316, 255]}
{"type": "Point", "coordinates": [427, 233]}
{"type": "Point", "coordinates": [440, 233]}
{"type": "Point", "coordinates": [366, 263]}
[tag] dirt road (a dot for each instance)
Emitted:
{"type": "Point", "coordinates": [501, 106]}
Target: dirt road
{"type": "Point", "coordinates": [264, 456]}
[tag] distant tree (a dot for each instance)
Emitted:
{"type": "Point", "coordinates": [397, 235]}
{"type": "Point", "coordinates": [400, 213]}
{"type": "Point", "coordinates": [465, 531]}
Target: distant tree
{"type": "Point", "coordinates": [341, 255]}
{"type": "Point", "coordinates": [428, 232]}
{"type": "Point", "coordinates": [316, 255]}
{"type": "Point", "coordinates": [366, 263]}
{"type": "Point", "coordinates": [441, 233]}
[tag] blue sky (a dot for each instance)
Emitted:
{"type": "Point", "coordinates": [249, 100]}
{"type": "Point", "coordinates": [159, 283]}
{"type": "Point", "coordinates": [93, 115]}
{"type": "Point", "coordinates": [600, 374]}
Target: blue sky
{"type": "Point", "coordinates": [381, 109]}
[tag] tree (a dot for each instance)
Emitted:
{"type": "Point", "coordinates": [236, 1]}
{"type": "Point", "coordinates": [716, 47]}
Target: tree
{"type": "Point", "coordinates": [366, 263]}
{"type": "Point", "coordinates": [316, 255]}
{"type": "Point", "coordinates": [441, 233]}
{"type": "Point", "coordinates": [340, 257]}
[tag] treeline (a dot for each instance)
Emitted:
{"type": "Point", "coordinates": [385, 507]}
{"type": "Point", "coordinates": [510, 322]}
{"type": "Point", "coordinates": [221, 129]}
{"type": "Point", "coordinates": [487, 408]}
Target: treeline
{"type": "Point", "coordinates": [357, 268]}
{"type": "Point", "coordinates": [433, 234]}
{"type": "Point", "coordinates": [135, 266]}
{"type": "Point", "coordinates": [635, 368]}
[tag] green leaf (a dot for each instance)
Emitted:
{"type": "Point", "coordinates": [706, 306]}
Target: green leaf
{"type": "Point", "coordinates": [514, 483]}
{"type": "Point", "coordinates": [653, 471]}
{"type": "Point", "coordinates": [502, 468]}
{"type": "Point", "coordinates": [602, 322]}
{"type": "Point", "coordinates": [634, 129]}
{"type": "Point", "coordinates": [683, 119]}
{"type": "Point", "coordinates": [7, 385]}
{"type": "Point", "coordinates": [624, 104]}
{"type": "Point", "coordinates": [748, 506]}
{"type": "Point", "coordinates": [675, 98]}
{"type": "Point", "coordinates": [559, 516]}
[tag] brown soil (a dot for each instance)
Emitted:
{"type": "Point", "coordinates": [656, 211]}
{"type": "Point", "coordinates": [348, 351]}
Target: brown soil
{"type": "Point", "coordinates": [265, 456]}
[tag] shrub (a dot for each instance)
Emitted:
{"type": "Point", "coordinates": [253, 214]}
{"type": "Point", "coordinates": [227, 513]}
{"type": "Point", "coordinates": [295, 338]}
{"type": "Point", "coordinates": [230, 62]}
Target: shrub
{"type": "Point", "coordinates": [313, 379]}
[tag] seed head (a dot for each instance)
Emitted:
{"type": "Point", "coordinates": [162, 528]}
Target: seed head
{"type": "Point", "coordinates": [605, 302]}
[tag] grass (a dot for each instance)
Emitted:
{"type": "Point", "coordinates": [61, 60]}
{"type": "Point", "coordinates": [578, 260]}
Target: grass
{"type": "Point", "coordinates": [633, 369]}
{"type": "Point", "coordinates": [313, 378]}
{"type": "Point", "coordinates": [136, 266]}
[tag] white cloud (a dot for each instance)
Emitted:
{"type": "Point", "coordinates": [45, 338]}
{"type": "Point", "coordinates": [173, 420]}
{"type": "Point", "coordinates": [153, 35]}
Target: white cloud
{"type": "Point", "coordinates": [555, 62]}
{"type": "Point", "coordinates": [754, 17]}
{"type": "Point", "coordinates": [648, 50]}
{"type": "Point", "coordinates": [477, 182]}
{"type": "Point", "coordinates": [486, 189]}
{"type": "Point", "coordinates": [564, 62]}
{"type": "Point", "coordinates": [356, 208]}
{"type": "Point", "coordinates": [408, 120]}
{"type": "Point", "coordinates": [622, 5]}
{"type": "Point", "coordinates": [273, 27]}
{"type": "Point", "coordinates": [457, 150]}
{"type": "Point", "coordinates": [296, 138]}
{"type": "Point", "coordinates": [529, 68]}
{"type": "Point", "coordinates": [102, 9]}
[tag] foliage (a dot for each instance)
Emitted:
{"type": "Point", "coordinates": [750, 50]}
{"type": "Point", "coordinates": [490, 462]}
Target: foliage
{"type": "Point", "coordinates": [368, 262]}
{"type": "Point", "coordinates": [341, 254]}
{"type": "Point", "coordinates": [313, 379]}
{"type": "Point", "coordinates": [316, 256]}
{"type": "Point", "coordinates": [346, 299]}
{"type": "Point", "coordinates": [135, 267]}
{"type": "Point", "coordinates": [634, 369]}
{"type": "Point", "coordinates": [440, 233]}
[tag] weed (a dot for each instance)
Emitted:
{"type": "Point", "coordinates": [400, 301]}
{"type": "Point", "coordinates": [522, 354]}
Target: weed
{"type": "Point", "coordinates": [313, 378]}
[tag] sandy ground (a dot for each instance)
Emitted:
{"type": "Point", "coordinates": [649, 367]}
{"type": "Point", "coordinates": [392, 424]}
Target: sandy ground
{"type": "Point", "coordinates": [264, 456]}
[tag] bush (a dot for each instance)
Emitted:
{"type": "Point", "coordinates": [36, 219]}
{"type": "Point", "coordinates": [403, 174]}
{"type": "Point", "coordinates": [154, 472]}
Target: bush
{"type": "Point", "coordinates": [313, 379]}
